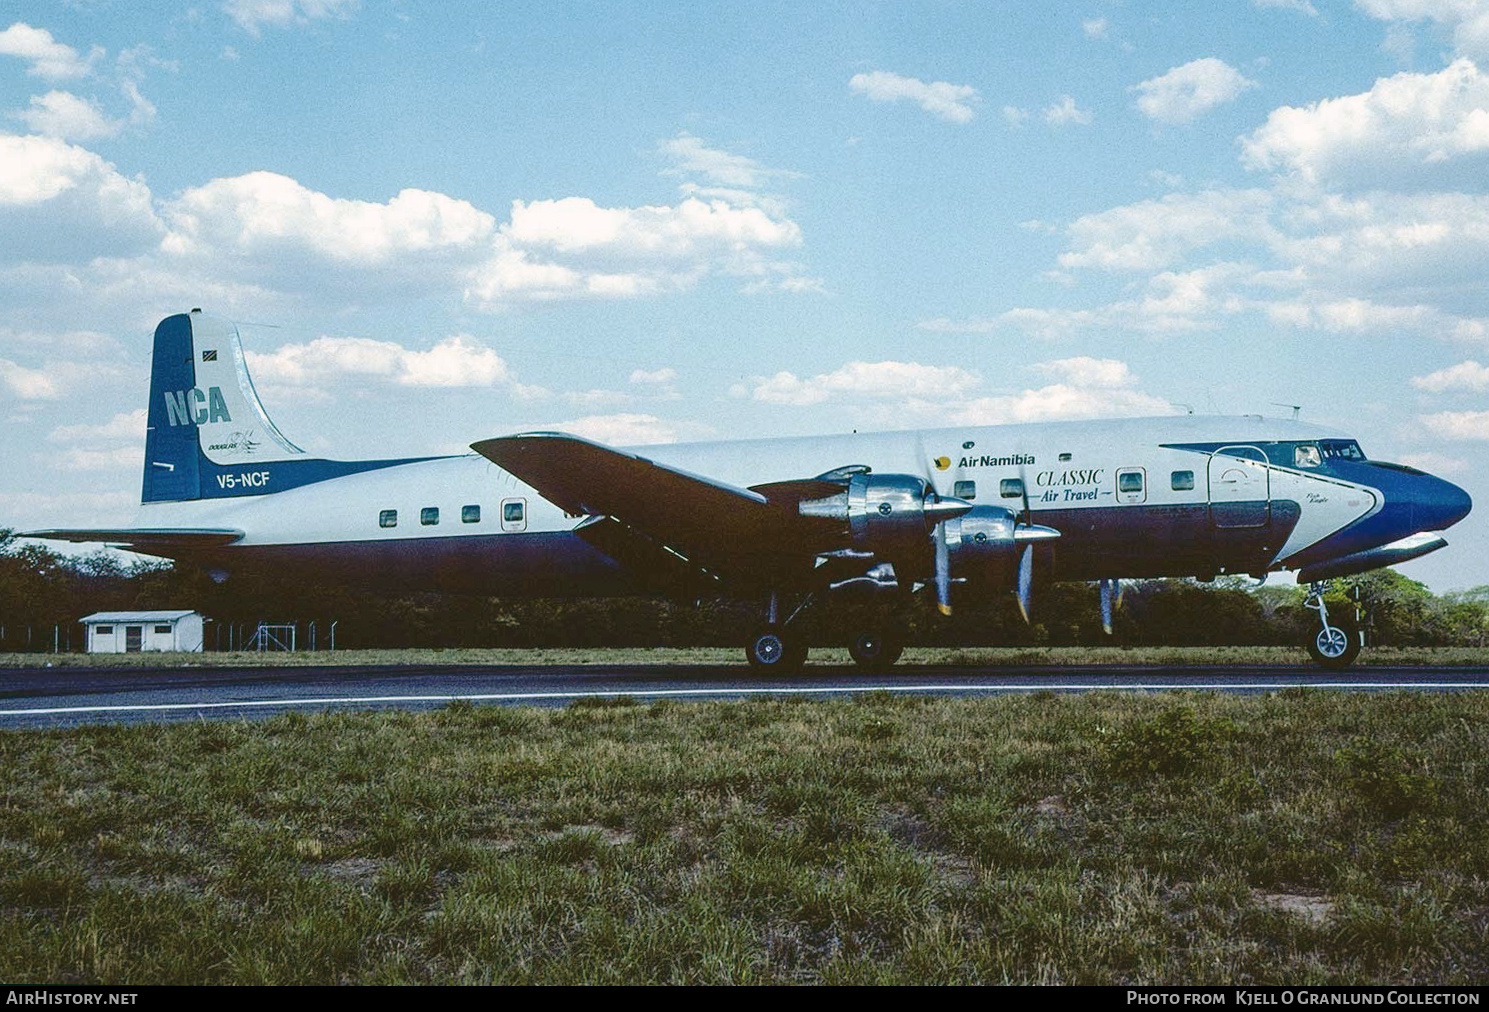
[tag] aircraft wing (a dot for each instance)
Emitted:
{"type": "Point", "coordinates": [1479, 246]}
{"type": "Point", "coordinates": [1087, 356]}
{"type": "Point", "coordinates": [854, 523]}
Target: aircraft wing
{"type": "Point", "coordinates": [167, 541]}
{"type": "Point", "coordinates": [717, 526]}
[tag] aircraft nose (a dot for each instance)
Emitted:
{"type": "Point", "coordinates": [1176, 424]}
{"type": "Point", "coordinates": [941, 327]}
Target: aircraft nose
{"type": "Point", "coordinates": [1444, 506]}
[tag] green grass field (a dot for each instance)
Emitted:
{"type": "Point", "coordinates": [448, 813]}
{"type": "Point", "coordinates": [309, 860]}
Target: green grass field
{"type": "Point", "coordinates": [1303, 837]}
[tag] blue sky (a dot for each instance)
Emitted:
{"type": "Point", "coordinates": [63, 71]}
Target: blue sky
{"type": "Point", "coordinates": [648, 222]}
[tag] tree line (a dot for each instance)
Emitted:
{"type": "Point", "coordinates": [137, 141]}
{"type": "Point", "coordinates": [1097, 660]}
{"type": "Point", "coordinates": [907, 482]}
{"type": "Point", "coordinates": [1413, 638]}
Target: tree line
{"type": "Point", "coordinates": [43, 594]}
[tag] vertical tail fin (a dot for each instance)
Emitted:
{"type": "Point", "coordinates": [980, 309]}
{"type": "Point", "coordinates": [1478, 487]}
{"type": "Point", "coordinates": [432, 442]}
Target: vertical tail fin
{"type": "Point", "coordinates": [207, 431]}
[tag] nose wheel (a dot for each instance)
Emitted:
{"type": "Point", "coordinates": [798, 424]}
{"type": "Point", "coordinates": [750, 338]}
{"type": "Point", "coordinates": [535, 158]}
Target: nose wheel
{"type": "Point", "coordinates": [1336, 644]}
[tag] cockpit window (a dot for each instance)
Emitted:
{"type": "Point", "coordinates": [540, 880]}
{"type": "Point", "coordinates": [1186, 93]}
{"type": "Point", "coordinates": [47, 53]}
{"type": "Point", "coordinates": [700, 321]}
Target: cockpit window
{"type": "Point", "coordinates": [1306, 455]}
{"type": "Point", "coordinates": [1341, 449]}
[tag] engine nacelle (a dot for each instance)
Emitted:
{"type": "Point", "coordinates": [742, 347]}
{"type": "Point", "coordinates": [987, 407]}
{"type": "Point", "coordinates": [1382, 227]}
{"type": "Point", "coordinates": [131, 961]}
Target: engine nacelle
{"type": "Point", "coordinates": [887, 514]}
{"type": "Point", "coordinates": [983, 548]}
{"type": "Point", "coordinates": [890, 515]}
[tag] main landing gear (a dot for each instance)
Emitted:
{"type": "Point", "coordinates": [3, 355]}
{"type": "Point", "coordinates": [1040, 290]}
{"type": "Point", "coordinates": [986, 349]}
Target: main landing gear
{"type": "Point", "coordinates": [1337, 642]}
{"type": "Point", "coordinates": [775, 646]}
{"type": "Point", "coordinates": [778, 646]}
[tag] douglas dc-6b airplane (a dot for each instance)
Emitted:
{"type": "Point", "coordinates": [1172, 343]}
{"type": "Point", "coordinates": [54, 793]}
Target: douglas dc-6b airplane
{"type": "Point", "coordinates": [977, 510]}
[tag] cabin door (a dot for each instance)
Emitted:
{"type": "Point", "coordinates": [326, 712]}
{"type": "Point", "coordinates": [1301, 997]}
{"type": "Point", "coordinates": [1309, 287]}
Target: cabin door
{"type": "Point", "coordinates": [1240, 487]}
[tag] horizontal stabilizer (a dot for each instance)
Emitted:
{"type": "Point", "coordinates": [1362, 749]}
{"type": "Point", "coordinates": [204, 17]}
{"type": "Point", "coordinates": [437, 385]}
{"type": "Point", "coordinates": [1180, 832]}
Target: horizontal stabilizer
{"type": "Point", "coordinates": [147, 539]}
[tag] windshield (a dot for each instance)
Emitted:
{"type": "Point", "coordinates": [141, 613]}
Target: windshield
{"type": "Point", "coordinates": [1341, 449]}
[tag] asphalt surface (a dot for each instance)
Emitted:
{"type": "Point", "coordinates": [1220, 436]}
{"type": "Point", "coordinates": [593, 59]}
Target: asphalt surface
{"type": "Point", "coordinates": [70, 697]}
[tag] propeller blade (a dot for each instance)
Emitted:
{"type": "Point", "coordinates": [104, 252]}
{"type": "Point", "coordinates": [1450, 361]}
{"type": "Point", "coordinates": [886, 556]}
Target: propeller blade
{"type": "Point", "coordinates": [1026, 580]}
{"type": "Point", "coordinates": [1109, 594]}
{"type": "Point", "coordinates": [943, 571]}
{"type": "Point", "coordinates": [1024, 487]}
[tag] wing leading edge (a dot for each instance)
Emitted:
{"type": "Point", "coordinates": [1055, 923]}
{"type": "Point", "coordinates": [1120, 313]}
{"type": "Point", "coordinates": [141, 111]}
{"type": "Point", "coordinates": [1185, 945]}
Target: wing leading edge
{"type": "Point", "coordinates": [737, 532]}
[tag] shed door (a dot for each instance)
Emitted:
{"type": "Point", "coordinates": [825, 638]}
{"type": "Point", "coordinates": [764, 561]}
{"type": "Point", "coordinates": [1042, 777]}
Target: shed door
{"type": "Point", "coordinates": [133, 637]}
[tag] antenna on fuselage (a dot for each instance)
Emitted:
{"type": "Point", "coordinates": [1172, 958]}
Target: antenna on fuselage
{"type": "Point", "coordinates": [1297, 408]}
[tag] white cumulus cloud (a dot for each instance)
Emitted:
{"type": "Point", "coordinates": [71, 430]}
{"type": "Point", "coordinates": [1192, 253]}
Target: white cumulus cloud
{"type": "Point", "coordinates": [1467, 20]}
{"type": "Point", "coordinates": [632, 429]}
{"type": "Point", "coordinates": [1190, 90]}
{"type": "Point", "coordinates": [1152, 234]}
{"type": "Point", "coordinates": [457, 361]}
{"type": "Point", "coordinates": [1086, 388]}
{"type": "Point", "coordinates": [60, 201]}
{"type": "Point", "coordinates": [49, 59]}
{"type": "Point", "coordinates": [1066, 112]}
{"type": "Point", "coordinates": [1301, 6]}
{"type": "Point", "coordinates": [692, 155]}
{"type": "Point", "coordinates": [1085, 371]}
{"type": "Point", "coordinates": [264, 212]}
{"type": "Point", "coordinates": [578, 224]}
{"type": "Point", "coordinates": [1410, 130]}
{"type": "Point", "coordinates": [28, 384]}
{"type": "Point", "coordinates": [251, 15]}
{"type": "Point", "coordinates": [951, 102]}
{"type": "Point", "coordinates": [873, 380]}
{"type": "Point", "coordinates": [1465, 376]}
{"type": "Point", "coordinates": [65, 115]}
{"type": "Point", "coordinates": [127, 425]}
{"type": "Point", "coordinates": [1465, 425]}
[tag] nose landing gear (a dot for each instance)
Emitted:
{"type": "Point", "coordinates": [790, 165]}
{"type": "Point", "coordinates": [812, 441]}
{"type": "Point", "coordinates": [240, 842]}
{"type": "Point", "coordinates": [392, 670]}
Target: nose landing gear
{"type": "Point", "coordinates": [1337, 642]}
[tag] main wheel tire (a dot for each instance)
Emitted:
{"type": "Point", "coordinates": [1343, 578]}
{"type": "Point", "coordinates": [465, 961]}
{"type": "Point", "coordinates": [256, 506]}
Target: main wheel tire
{"type": "Point", "coordinates": [875, 649]}
{"type": "Point", "coordinates": [772, 649]}
{"type": "Point", "coordinates": [1337, 646]}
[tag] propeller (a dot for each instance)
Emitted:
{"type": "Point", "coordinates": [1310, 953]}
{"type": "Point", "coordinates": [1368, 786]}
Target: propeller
{"type": "Point", "coordinates": [1026, 579]}
{"type": "Point", "coordinates": [943, 570]}
{"type": "Point", "coordinates": [1111, 597]}
{"type": "Point", "coordinates": [940, 510]}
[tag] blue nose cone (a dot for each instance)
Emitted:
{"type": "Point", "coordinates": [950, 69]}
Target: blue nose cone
{"type": "Point", "coordinates": [1441, 505]}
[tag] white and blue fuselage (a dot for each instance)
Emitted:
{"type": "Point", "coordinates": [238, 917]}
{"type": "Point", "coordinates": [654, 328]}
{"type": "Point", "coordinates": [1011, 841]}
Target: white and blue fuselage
{"type": "Point", "coordinates": [1174, 496]}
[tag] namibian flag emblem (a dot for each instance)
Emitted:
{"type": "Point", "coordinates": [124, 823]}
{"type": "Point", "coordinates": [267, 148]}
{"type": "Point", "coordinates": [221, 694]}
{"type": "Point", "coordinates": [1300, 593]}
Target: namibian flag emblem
{"type": "Point", "coordinates": [209, 356]}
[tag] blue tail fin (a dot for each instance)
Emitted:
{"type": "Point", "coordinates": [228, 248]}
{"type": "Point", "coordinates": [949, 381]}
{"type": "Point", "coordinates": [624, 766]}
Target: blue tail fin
{"type": "Point", "coordinates": [204, 413]}
{"type": "Point", "coordinates": [208, 435]}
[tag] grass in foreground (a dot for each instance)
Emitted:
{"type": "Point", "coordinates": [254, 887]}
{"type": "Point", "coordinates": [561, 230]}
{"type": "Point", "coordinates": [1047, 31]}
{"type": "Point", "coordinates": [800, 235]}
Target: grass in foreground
{"type": "Point", "coordinates": [1303, 838]}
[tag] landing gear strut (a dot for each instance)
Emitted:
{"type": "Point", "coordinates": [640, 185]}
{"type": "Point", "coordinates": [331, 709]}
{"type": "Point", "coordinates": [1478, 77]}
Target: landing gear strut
{"type": "Point", "coordinates": [1337, 642]}
{"type": "Point", "coordinates": [775, 646]}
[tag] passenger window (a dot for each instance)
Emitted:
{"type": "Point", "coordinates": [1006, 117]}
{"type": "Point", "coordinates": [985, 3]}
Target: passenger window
{"type": "Point", "coordinates": [387, 518]}
{"type": "Point", "coordinates": [1183, 481]}
{"type": "Point", "coordinates": [429, 516]}
{"type": "Point", "coordinates": [514, 515]}
{"type": "Point", "coordinates": [1306, 455]}
{"type": "Point", "coordinates": [1130, 485]}
{"type": "Point", "coordinates": [1011, 488]}
{"type": "Point", "coordinates": [964, 489]}
{"type": "Point", "coordinates": [470, 514]}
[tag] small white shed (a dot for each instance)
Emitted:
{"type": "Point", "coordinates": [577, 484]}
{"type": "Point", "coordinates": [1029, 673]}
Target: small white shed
{"type": "Point", "coordinates": [128, 632]}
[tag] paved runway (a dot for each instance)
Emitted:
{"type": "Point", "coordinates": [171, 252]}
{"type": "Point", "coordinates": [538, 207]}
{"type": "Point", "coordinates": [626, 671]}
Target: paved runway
{"type": "Point", "coordinates": [62, 697]}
